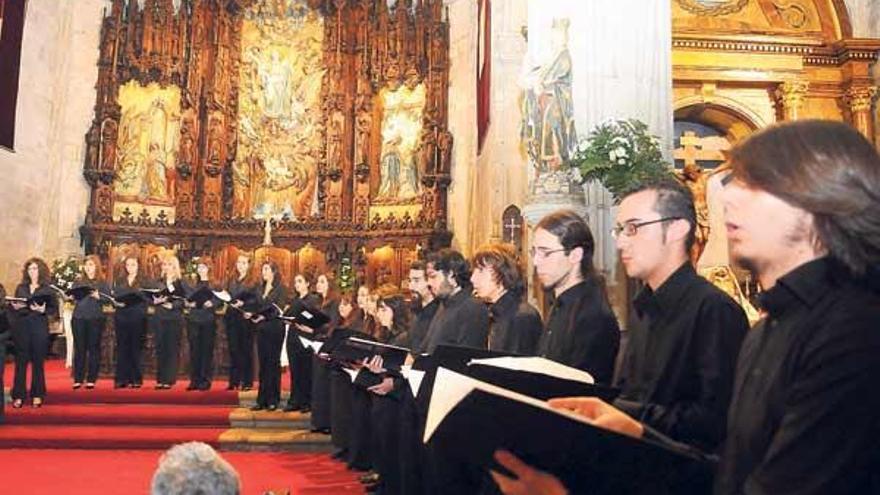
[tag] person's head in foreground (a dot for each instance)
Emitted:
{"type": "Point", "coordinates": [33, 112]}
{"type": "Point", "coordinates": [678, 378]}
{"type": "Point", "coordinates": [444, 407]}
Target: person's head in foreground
{"type": "Point", "coordinates": [194, 468]}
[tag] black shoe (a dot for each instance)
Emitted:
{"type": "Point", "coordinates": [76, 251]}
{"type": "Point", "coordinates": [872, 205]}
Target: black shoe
{"type": "Point", "coordinates": [205, 386]}
{"type": "Point", "coordinates": [257, 407]}
{"type": "Point", "coordinates": [191, 386]}
{"type": "Point", "coordinates": [134, 385]}
{"type": "Point", "coordinates": [90, 385]}
{"type": "Point", "coordinates": [231, 387]}
{"type": "Point", "coordinates": [272, 407]}
{"type": "Point", "coordinates": [119, 385]}
{"type": "Point", "coordinates": [247, 388]}
{"type": "Point", "coordinates": [339, 454]}
{"type": "Point", "coordinates": [305, 409]}
{"type": "Point", "coordinates": [77, 386]}
{"type": "Point", "coordinates": [369, 478]}
{"type": "Point", "coordinates": [290, 408]}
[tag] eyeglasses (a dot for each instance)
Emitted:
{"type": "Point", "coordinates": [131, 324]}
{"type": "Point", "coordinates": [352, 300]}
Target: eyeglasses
{"type": "Point", "coordinates": [543, 252]}
{"type": "Point", "coordinates": [630, 229]}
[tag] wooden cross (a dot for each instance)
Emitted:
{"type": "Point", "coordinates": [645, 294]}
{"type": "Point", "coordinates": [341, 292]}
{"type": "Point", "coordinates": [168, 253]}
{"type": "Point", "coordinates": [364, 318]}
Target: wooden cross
{"type": "Point", "coordinates": [691, 150]}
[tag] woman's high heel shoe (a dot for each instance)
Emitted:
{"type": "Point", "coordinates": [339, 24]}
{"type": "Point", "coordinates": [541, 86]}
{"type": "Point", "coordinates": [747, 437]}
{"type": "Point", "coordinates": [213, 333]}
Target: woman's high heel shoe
{"type": "Point", "coordinates": [17, 403]}
{"type": "Point", "coordinates": [38, 403]}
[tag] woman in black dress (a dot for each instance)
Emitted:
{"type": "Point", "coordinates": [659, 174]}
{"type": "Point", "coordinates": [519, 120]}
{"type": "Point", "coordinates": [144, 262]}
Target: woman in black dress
{"type": "Point", "coordinates": [169, 322]}
{"type": "Point", "coordinates": [130, 324]}
{"type": "Point", "coordinates": [201, 328]}
{"type": "Point", "coordinates": [30, 330]}
{"type": "Point", "coordinates": [88, 324]}
{"type": "Point", "coordinates": [270, 337]}
{"type": "Point", "coordinates": [299, 357]}
{"type": "Point", "coordinates": [325, 287]}
{"type": "Point", "coordinates": [240, 330]}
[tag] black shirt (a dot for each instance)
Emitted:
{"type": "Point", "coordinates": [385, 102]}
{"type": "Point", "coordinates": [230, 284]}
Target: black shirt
{"type": "Point", "coordinates": [804, 417]}
{"type": "Point", "coordinates": [423, 317]}
{"type": "Point", "coordinates": [514, 325]}
{"type": "Point", "coordinates": [677, 374]}
{"type": "Point", "coordinates": [136, 311]}
{"type": "Point", "coordinates": [460, 320]}
{"type": "Point", "coordinates": [582, 331]}
{"type": "Point", "coordinates": [201, 314]}
{"type": "Point", "coordinates": [89, 308]}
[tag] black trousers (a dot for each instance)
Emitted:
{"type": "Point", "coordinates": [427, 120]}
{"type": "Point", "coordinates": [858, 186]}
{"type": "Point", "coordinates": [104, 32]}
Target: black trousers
{"type": "Point", "coordinates": [300, 360]}
{"type": "Point", "coordinates": [129, 348]}
{"type": "Point", "coordinates": [340, 413]}
{"type": "Point", "coordinates": [3, 338]}
{"type": "Point", "coordinates": [240, 338]}
{"type": "Point", "coordinates": [87, 348]}
{"type": "Point", "coordinates": [270, 339]}
{"type": "Point", "coordinates": [410, 452]}
{"type": "Point", "coordinates": [322, 401]}
{"type": "Point", "coordinates": [201, 335]}
{"type": "Point", "coordinates": [360, 449]}
{"type": "Point", "coordinates": [386, 443]}
{"type": "Point", "coordinates": [31, 337]}
{"type": "Point", "coordinates": [167, 338]}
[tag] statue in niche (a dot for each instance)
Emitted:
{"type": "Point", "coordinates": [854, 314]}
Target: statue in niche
{"type": "Point", "coordinates": [389, 170]}
{"type": "Point", "coordinates": [108, 144]}
{"type": "Point", "coordinates": [187, 142]}
{"type": "Point", "coordinates": [547, 126]}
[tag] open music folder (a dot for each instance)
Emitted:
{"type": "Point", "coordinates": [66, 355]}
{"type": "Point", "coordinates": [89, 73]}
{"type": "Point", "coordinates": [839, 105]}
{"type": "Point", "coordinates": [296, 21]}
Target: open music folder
{"type": "Point", "coordinates": [469, 419]}
{"type": "Point", "coordinates": [537, 377]}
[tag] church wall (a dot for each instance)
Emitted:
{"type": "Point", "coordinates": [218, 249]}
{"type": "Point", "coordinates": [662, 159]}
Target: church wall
{"type": "Point", "coordinates": [462, 123]}
{"type": "Point", "coordinates": [44, 196]}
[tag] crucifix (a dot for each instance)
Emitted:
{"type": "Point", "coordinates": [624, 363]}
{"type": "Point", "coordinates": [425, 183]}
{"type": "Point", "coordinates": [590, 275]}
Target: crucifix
{"type": "Point", "coordinates": [512, 226]}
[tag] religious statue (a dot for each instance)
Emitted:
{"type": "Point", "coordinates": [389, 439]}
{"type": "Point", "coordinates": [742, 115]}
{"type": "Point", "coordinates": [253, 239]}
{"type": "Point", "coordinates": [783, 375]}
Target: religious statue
{"type": "Point", "coordinates": [389, 170]}
{"type": "Point", "coordinates": [724, 278]}
{"type": "Point", "coordinates": [696, 179]}
{"type": "Point", "coordinates": [155, 185]}
{"type": "Point", "coordinates": [547, 127]}
{"type": "Point", "coordinates": [108, 144]}
{"type": "Point", "coordinates": [275, 78]}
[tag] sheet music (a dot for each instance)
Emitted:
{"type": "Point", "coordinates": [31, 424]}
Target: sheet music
{"type": "Point", "coordinates": [537, 365]}
{"type": "Point", "coordinates": [414, 378]}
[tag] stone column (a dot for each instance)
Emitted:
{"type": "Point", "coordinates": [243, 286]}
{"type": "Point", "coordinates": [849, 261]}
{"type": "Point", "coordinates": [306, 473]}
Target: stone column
{"type": "Point", "coordinates": [790, 97]}
{"type": "Point", "coordinates": [859, 100]}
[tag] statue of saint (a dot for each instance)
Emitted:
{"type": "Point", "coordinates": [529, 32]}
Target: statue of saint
{"type": "Point", "coordinates": [275, 78]}
{"type": "Point", "coordinates": [389, 170]}
{"type": "Point", "coordinates": [547, 127]}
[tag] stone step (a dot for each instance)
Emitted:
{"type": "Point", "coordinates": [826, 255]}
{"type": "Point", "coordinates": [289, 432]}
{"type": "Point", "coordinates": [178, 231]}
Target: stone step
{"type": "Point", "coordinates": [273, 439]}
{"type": "Point", "coordinates": [243, 417]}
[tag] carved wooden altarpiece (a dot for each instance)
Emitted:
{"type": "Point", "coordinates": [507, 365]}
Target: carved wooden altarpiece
{"type": "Point", "coordinates": [316, 125]}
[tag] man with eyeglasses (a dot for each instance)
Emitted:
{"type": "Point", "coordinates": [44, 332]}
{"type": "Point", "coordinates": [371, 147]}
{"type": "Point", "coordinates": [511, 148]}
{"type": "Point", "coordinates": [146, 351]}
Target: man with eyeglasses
{"type": "Point", "coordinates": [801, 210]}
{"type": "Point", "coordinates": [678, 366]}
{"type": "Point", "coordinates": [581, 331]}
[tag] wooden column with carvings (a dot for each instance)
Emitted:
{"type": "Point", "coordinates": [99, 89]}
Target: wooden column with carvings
{"type": "Point", "coordinates": [859, 100]}
{"type": "Point", "coordinates": [791, 95]}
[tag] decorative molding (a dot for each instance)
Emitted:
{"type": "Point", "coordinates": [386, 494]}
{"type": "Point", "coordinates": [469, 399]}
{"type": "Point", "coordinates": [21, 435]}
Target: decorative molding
{"type": "Point", "coordinates": [714, 8]}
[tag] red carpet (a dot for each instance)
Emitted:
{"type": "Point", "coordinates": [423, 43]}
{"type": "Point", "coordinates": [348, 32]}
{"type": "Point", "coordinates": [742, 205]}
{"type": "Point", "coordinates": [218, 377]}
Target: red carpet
{"type": "Point", "coordinates": [109, 441]}
{"type": "Point", "coordinates": [87, 472]}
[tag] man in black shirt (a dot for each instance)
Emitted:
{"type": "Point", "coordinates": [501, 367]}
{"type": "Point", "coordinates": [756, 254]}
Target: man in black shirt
{"type": "Point", "coordinates": [581, 330]}
{"type": "Point", "coordinates": [461, 319]}
{"type": "Point", "coordinates": [802, 213]}
{"type": "Point", "coordinates": [677, 373]}
{"type": "Point", "coordinates": [514, 324]}
{"type": "Point", "coordinates": [424, 304]}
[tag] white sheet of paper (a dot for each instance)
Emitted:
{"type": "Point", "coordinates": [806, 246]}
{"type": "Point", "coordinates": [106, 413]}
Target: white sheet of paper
{"type": "Point", "coordinates": [316, 345]}
{"type": "Point", "coordinates": [451, 387]}
{"type": "Point", "coordinates": [537, 365]}
{"type": "Point", "coordinates": [414, 378]}
{"type": "Point", "coordinates": [305, 342]}
{"type": "Point", "coordinates": [352, 373]}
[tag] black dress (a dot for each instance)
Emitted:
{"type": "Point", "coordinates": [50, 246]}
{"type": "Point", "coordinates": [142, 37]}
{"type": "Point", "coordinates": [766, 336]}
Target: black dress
{"type": "Point", "coordinates": [30, 332]}
{"type": "Point", "coordinates": [321, 397]}
{"type": "Point", "coordinates": [87, 325]}
{"type": "Point", "coordinates": [300, 359]}
{"type": "Point", "coordinates": [201, 331]}
{"type": "Point", "coordinates": [240, 338]}
{"type": "Point", "coordinates": [270, 339]}
{"type": "Point", "coordinates": [130, 325]}
{"type": "Point", "coordinates": [168, 329]}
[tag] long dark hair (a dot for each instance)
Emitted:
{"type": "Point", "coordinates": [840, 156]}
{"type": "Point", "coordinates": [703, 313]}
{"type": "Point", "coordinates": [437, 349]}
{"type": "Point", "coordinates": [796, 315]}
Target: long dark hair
{"type": "Point", "coordinates": [99, 268]}
{"type": "Point", "coordinates": [122, 279]}
{"type": "Point", "coordinates": [44, 277]}
{"type": "Point", "coordinates": [572, 232]}
{"type": "Point", "coordinates": [393, 297]}
{"type": "Point", "coordinates": [827, 169]}
{"type": "Point", "coordinates": [276, 274]}
{"type": "Point", "coordinates": [502, 259]}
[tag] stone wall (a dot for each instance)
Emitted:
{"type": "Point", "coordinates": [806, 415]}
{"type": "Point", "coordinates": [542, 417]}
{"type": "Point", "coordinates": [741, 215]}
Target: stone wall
{"type": "Point", "coordinates": [44, 196]}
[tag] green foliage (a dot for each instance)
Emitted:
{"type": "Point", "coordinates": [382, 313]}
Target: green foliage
{"type": "Point", "coordinates": [620, 154]}
{"type": "Point", "coordinates": [65, 271]}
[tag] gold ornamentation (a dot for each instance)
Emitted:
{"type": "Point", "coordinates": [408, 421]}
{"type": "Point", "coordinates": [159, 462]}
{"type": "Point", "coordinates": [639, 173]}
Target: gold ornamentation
{"type": "Point", "coordinates": [860, 98]}
{"type": "Point", "coordinates": [792, 14]}
{"type": "Point", "coordinates": [791, 95]}
{"type": "Point", "coordinates": [713, 8]}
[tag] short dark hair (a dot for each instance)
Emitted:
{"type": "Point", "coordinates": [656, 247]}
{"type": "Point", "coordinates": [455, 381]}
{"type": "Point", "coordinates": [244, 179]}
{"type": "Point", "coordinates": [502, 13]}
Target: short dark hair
{"type": "Point", "coordinates": [674, 200]}
{"type": "Point", "coordinates": [451, 261]}
{"type": "Point", "coordinates": [827, 169]}
{"type": "Point", "coordinates": [572, 232]}
{"type": "Point", "coordinates": [418, 265]}
{"type": "Point", "coordinates": [502, 259]}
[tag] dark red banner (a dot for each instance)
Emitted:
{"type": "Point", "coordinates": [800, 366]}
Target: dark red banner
{"type": "Point", "coordinates": [11, 28]}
